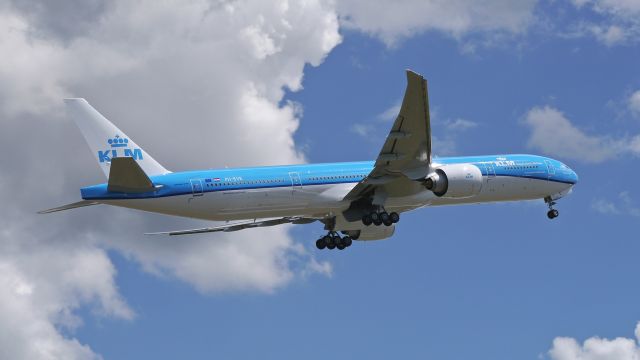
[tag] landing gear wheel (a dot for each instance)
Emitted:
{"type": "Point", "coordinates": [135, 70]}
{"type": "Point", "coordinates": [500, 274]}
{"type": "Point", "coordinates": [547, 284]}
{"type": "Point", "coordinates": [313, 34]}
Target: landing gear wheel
{"type": "Point", "coordinates": [347, 241]}
{"type": "Point", "coordinates": [321, 244]}
{"type": "Point", "coordinates": [394, 217]}
{"type": "Point", "coordinates": [375, 218]}
{"type": "Point", "coordinates": [552, 213]}
{"type": "Point", "coordinates": [367, 220]}
{"type": "Point", "coordinates": [386, 220]}
{"type": "Point", "coordinates": [328, 242]}
{"type": "Point", "coordinates": [341, 246]}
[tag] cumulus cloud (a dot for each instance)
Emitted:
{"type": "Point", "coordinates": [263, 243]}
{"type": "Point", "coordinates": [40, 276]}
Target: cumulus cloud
{"type": "Point", "coordinates": [393, 21]}
{"type": "Point", "coordinates": [390, 114]}
{"type": "Point", "coordinates": [604, 206]}
{"type": "Point", "coordinates": [596, 348]}
{"type": "Point", "coordinates": [41, 287]}
{"type": "Point", "coordinates": [202, 77]}
{"type": "Point", "coordinates": [634, 103]}
{"type": "Point", "coordinates": [620, 22]}
{"type": "Point", "coordinates": [387, 117]}
{"type": "Point", "coordinates": [460, 124]}
{"type": "Point", "coordinates": [623, 204]}
{"type": "Point", "coordinates": [554, 134]}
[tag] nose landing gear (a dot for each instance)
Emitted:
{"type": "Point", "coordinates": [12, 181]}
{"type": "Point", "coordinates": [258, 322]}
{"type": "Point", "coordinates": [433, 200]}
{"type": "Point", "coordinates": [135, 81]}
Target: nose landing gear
{"type": "Point", "coordinates": [552, 213]}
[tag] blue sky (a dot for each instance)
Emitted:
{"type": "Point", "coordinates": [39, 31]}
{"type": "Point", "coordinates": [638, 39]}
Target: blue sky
{"type": "Point", "coordinates": [495, 281]}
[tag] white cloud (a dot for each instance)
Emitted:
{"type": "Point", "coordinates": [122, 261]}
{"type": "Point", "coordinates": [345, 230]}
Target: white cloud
{"type": "Point", "coordinates": [634, 103]}
{"type": "Point", "coordinates": [554, 134]}
{"type": "Point", "coordinates": [444, 145]}
{"type": "Point", "coordinates": [40, 288]}
{"type": "Point", "coordinates": [362, 129]}
{"type": "Point", "coordinates": [394, 20]}
{"type": "Point", "coordinates": [604, 206]}
{"type": "Point", "coordinates": [391, 113]}
{"type": "Point", "coordinates": [624, 8]}
{"type": "Point", "coordinates": [596, 348]}
{"type": "Point", "coordinates": [620, 22]}
{"type": "Point", "coordinates": [611, 35]}
{"type": "Point", "coordinates": [201, 77]}
{"type": "Point", "coordinates": [623, 205]}
{"type": "Point", "coordinates": [460, 124]}
{"type": "Point", "coordinates": [628, 205]}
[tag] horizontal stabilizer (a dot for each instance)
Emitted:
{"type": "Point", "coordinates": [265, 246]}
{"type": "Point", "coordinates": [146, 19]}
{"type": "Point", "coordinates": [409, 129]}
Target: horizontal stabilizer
{"type": "Point", "coordinates": [128, 177]}
{"type": "Point", "coordinates": [78, 204]}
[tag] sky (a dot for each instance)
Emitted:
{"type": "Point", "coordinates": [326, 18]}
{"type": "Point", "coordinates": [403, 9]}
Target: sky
{"type": "Point", "coordinates": [208, 84]}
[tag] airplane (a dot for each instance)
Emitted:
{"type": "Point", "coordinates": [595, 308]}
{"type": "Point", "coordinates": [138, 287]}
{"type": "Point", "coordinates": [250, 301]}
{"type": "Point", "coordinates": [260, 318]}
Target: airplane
{"type": "Point", "coordinates": [354, 200]}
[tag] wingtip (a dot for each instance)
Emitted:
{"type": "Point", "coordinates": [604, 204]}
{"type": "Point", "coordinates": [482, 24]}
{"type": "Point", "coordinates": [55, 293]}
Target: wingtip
{"type": "Point", "coordinates": [69, 100]}
{"type": "Point", "coordinates": [413, 73]}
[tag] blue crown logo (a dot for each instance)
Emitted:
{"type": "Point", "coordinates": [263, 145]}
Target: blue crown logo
{"type": "Point", "coordinates": [117, 141]}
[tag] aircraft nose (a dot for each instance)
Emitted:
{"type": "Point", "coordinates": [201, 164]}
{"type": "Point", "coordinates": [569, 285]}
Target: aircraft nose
{"type": "Point", "coordinates": [574, 177]}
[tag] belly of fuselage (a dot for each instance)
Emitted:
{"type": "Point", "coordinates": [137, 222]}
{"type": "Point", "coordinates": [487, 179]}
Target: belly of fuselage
{"type": "Point", "coordinates": [320, 200]}
{"type": "Point", "coordinates": [312, 201]}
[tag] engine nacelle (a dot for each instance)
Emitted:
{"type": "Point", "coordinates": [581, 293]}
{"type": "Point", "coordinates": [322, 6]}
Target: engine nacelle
{"type": "Point", "coordinates": [455, 181]}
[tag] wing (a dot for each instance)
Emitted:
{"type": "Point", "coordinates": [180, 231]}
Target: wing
{"type": "Point", "coordinates": [406, 153]}
{"type": "Point", "coordinates": [240, 226]}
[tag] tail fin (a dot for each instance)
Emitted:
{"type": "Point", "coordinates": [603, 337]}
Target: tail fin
{"type": "Point", "coordinates": [106, 140]}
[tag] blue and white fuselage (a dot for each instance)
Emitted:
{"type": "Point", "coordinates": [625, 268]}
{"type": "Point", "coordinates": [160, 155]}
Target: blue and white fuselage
{"type": "Point", "coordinates": [361, 200]}
{"type": "Point", "coordinates": [314, 190]}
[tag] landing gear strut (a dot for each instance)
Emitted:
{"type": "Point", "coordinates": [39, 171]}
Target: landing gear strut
{"type": "Point", "coordinates": [552, 213]}
{"type": "Point", "coordinates": [333, 240]}
{"type": "Point", "coordinates": [378, 218]}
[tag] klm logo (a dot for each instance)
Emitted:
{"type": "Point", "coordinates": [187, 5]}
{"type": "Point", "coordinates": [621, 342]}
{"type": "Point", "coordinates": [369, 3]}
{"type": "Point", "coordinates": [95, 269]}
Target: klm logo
{"type": "Point", "coordinates": [116, 143]}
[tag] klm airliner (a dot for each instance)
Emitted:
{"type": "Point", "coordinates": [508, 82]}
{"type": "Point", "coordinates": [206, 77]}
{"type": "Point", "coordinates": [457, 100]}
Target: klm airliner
{"type": "Point", "coordinates": [354, 200]}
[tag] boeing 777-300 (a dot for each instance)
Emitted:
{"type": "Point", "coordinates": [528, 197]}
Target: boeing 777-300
{"type": "Point", "coordinates": [354, 200]}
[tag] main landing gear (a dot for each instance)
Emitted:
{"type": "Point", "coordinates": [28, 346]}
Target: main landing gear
{"type": "Point", "coordinates": [333, 240]}
{"type": "Point", "coordinates": [552, 213]}
{"type": "Point", "coordinates": [378, 218]}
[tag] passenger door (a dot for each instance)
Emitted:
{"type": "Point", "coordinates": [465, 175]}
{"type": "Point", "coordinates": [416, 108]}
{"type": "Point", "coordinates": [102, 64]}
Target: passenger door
{"type": "Point", "coordinates": [296, 182]}
{"type": "Point", "coordinates": [491, 176]}
{"type": "Point", "coordinates": [298, 195]}
{"type": "Point", "coordinates": [196, 187]}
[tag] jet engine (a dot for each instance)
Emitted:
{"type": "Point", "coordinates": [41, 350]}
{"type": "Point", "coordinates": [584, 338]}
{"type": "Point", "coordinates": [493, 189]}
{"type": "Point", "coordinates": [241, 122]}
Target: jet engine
{"type": "Point", "coordinates": [455, 181]}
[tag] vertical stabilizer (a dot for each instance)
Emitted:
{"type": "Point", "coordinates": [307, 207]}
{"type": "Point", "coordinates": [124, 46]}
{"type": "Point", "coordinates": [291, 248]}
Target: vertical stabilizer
{"type": "Point", "coordinates": [106, 140]}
